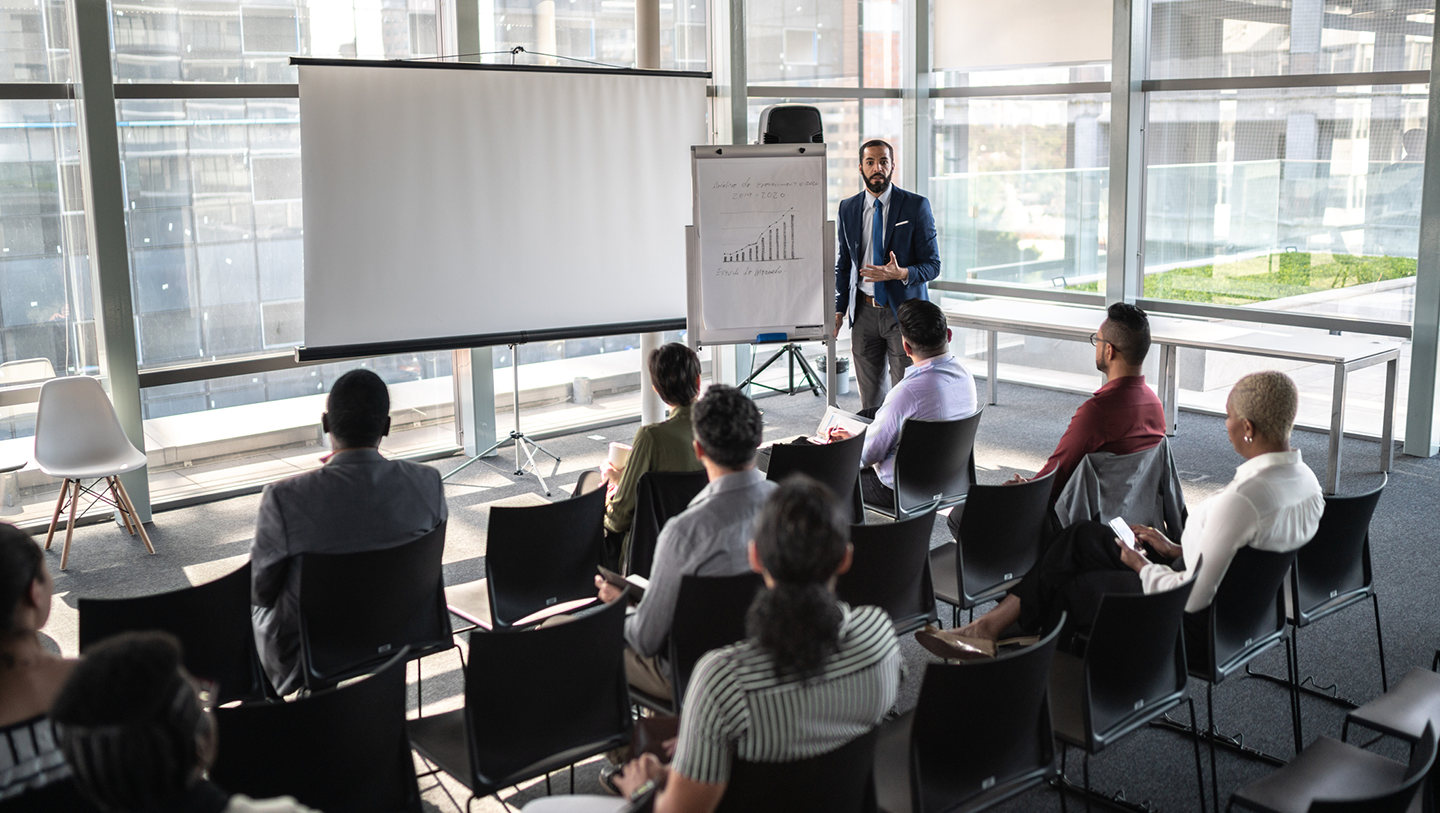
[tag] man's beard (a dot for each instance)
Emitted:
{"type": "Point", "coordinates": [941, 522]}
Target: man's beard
{"type": "Point", "coordinates": [877, 183]}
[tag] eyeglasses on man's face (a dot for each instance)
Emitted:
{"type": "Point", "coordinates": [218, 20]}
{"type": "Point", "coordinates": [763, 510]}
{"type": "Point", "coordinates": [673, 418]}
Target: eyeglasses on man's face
{"type": "Point", "coordinates": [1095, 340]}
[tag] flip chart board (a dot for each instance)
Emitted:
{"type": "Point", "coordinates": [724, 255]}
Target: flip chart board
{"type": "Point", "coordinates": [761, 264]}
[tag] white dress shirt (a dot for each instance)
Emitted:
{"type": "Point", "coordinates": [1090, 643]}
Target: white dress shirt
{"type": "Point", "coordinates": [867, 227]}
{"type": "Point", "coordinates": [1273, 504]}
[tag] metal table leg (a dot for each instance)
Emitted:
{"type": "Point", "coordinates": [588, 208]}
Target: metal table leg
{"type": "Point", "coordinates": [992, 366]}
{"type": "Point", "coordinates": [1337, 430]}
{"type": "Point", "coordinates": [1387, 431]}
{"type": "Point", "coordinates": [1169, 387]}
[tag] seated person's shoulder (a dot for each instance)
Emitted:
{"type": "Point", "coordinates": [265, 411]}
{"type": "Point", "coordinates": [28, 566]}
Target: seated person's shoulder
{"type": "Point", "coordinates": [239, 803]}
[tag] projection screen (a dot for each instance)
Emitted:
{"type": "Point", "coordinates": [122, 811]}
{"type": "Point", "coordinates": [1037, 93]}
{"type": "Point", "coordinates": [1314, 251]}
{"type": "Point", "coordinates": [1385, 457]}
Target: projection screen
{"type": "Point", "coordinates": [460, 205]}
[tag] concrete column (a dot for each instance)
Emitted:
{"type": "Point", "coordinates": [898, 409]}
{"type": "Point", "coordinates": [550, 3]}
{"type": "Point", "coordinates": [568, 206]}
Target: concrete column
{"type": "Point", "coordinates": [647, 57]}
{"type": "Point", "coordinates": [474, 375]}
{"type": "Point", "coordinates": [545, 30]}
{"type": "Point", "coordinates": [1422, 436]}
{"type": "Point", "coordinates": [105, 227]}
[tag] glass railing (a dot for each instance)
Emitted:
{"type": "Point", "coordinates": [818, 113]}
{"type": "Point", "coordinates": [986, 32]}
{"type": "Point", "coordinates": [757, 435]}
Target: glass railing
{"type": "Point", "coordinates": [1037, 228]}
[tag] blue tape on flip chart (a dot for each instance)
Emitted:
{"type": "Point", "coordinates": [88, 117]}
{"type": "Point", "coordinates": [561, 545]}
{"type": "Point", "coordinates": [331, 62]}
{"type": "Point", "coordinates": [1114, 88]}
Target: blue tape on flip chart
{"type": "Point", "coordinates": [771, 337]}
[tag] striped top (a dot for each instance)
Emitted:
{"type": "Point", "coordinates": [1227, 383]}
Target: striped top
{"type": "Point", "coordinates": [30, 757]}
{"type": "Point", "coordinates": [737, 707]}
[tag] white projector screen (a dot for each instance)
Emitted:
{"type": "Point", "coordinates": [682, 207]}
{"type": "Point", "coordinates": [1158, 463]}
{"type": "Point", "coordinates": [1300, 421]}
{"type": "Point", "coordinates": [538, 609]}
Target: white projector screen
{"type": "Point", "coordinates": [451, 206]}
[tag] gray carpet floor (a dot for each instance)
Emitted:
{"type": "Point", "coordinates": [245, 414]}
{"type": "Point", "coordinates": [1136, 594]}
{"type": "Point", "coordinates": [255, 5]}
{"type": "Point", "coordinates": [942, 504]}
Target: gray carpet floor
{"type": "Point", "coordinates": [202, 542]}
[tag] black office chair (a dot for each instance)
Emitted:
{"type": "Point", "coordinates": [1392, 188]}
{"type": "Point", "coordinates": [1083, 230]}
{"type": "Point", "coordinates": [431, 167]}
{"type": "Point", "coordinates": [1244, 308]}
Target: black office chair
{"type": "Point", "coordinates": [1402, 712]}
{"type": "Point", "coordinates": [934, 465]}
{"type": "Point", "coordinates": [709, 613]}
{"type": "Point", "coordinates": [536, 700]}
{"type": "Point", "coordinates": [1246, 618]}
{"type": "Point", "coordinates": [1133, 672]}
{"type": "Point", "coordinates": [358, 609]}
{"type": "Point", "coordinates": [922, 766]}
{"type": "Point", "coordinates": [59, 796]}
{"type": "Point", "coordinates": [999, 542]}
{"type": "Point", "coordinates": [212, 621]}
{"type": "Point", "coordinates": [539, 560]}
{"type": "Point", "coordinates": [339, 749]}
{"type": "Point", "coordinates": [1332, 777]}
{"type": "Point", "coordinates": [1332, 572]}
{"type": "Point", "coordinates": [659, 496]}
{"type": "Point", "coordinates": [837, 465]}
{"type": "Point", "coordinates": [891, 570]}
{"type": "Point", "coordinates": [840, 781]}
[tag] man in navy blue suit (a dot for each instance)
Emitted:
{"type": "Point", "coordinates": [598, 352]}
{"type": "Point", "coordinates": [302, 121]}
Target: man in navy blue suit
{"type": "Point", "coordinates": [888, 252]}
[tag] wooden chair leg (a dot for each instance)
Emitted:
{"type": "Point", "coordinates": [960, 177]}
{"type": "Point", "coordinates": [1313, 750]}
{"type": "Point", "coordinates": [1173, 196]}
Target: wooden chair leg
{"type": "Point", "coordinates": [125, 495]}
{"type": "Point", "coordinates": [70, 526]}
{"type": "Point", "coordinates": [120, 505]}
{"type": "Point", "coordinates": [55, 518]}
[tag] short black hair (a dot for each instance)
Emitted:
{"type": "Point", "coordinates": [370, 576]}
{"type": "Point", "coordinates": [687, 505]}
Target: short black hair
{"type": "Point", "coordinates": [675, 372]}
{"type": "Point", "coordinates": [923, 325]}
{"type": "Point", "coordinates": [727, 426]}
{"type": "Point", "coordinates": [128, 719]}
{"type": "Point", "coordinates": [358, 408]}
{"type": "Point", "coordinates": [20, 563]}
{"type": "Point", "coordinates": [877, 142]}
{"type": "Point", "coordinates": [1128, 331]}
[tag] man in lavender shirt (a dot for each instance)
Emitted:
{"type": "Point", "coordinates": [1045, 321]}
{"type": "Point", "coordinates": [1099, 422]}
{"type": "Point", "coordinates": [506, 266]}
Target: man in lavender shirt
{"type": "Point", "coordinates": [935, 387]}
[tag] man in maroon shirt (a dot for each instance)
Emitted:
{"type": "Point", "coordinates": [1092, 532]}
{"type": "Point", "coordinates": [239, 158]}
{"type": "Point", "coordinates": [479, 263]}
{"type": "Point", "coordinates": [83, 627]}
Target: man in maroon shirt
{"type": "Point", "coordinates": [1124, 416]}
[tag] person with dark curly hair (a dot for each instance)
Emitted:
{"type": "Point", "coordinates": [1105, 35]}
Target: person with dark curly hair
{"type": "Point", "coordinates": [813, 675]}
{"type": "Point", "coordinates": [706, 539]}
{"type": "Point", "coordinates": [30, 675]}
{"type": "Point", "coordinates": [138, 736]}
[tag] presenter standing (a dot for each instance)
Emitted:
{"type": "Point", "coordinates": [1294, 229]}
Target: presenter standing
{"type": "Point", "coordinates": [888, 252]}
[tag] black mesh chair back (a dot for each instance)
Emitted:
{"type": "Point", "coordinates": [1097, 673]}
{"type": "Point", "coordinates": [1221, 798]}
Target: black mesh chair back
{"type": "Point", "coordinates": [340, 749]}
{"type": "Point", "coordinates": [1247, 615]}
{"type": "Point", "coordinates": [1006, 702]}
{"type": "Point", "coordinates": [359, 609]}
{"type": "Point", "coordinates": [212, 621]}
{"type": "Point", "coordinates": [1398, 799]}
{"type": "Point", "coordinates": [539, 699]}
{"type": "Point", "coordinates": [1332, 570]}
{"type": "Point", "coordinates": [61, 796]}
{"type": "Point", "coordinates": [837, 465]}
{"type": "Point", "coordinates": [934, 463]}
{"type": "Point", "coordinates": [542, 555]}
{"type": "Point", "coordinates": [999, 537]}
{"type": "Point", "coordinates": [891, 570]}
{"type": "Point", "coordinates": [841, 781]}
{"type": "Point", "coordinates": [1134, 662]}
{"type": "Point", "coordinates": [709, 613]}
{"type": "Point", "coordinates": [659, 496]}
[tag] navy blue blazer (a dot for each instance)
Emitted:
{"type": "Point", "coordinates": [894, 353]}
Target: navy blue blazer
{"type": "Point", "coordinates": [909, 232]}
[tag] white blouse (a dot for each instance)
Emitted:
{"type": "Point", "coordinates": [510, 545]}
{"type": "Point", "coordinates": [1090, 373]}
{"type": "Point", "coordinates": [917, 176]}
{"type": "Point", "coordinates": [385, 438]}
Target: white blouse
{"type": "Point", "coordinates": [1273, 504]}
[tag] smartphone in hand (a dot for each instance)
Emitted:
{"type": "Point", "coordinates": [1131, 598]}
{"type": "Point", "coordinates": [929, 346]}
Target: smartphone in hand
{"type": "Point", "coordinates": [1122, 530]}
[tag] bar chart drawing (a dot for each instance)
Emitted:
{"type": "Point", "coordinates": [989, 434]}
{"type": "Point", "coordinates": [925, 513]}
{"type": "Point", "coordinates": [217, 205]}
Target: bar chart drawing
{"type": "Point", "coordinates": [775, 242]}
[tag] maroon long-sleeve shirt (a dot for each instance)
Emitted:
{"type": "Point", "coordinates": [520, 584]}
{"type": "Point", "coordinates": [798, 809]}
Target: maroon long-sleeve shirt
{"type": "Point", "coordinates": [1124, 416]}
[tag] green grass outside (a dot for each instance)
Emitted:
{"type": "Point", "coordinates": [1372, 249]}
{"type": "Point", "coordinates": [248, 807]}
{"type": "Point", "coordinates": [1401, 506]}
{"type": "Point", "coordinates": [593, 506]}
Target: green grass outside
{"type": "Point", "coordinates": [1274, 276]}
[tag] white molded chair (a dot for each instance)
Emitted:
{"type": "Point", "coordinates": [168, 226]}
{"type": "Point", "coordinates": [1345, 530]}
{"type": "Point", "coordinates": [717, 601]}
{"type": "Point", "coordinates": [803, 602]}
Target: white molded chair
{"type": "Point", "coordinates": [78, 437]}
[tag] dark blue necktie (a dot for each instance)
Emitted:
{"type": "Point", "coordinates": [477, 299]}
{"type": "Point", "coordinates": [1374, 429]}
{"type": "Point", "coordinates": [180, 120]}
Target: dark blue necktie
{"type": "Point", "coordinates": [877, 249]}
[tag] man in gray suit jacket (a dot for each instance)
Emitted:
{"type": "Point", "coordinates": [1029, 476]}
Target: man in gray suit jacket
{"type": "Point", "coordinates": [357, 501]}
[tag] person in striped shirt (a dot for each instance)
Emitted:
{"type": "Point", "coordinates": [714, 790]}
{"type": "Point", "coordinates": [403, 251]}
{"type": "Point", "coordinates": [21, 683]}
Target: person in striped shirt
{"type": "Point", "coordinates": [813, 675]}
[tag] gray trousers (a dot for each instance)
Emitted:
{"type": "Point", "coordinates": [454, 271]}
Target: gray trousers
{"type": "Point", "coordinates": [875, 339]}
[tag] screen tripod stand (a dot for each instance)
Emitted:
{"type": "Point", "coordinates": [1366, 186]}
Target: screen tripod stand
{"type": "Point", "coordinates": [521, 442]}
{"type": "Point", "coordinates": [813, 381]}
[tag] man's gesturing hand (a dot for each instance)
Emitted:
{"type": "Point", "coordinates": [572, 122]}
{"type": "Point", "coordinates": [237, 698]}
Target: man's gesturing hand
{"type": "Point", "coordinates": [890, 270]}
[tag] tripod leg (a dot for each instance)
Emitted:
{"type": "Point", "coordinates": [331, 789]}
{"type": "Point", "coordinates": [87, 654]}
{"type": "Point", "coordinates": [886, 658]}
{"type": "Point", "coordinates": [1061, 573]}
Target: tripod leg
{"type": "Point", "coordinates": [811, 377]}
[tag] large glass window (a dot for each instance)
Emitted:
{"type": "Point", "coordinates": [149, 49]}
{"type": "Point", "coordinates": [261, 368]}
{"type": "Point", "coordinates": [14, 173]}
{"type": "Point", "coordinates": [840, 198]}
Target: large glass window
{"type": "Point", "coordinates": [1210, 38]}
{"type": "Point", "coordinates": [34, 41]}
{"type": "Point", "coordinates": [825, 43]}
{"type": "Point", "coordinates": [1021, 189]}
{"type": "Point", "coordinates": [594, 30]}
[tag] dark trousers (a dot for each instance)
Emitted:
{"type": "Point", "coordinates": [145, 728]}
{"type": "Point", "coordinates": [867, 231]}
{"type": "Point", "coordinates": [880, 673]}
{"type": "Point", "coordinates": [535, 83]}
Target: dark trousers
{"type": "Point", "coordinates": [1078, 567]}
{"type": "Point", "coordinates": [874, 340]}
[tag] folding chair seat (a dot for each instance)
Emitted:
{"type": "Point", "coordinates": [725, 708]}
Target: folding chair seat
{"type": "Point", "coordinates": [659, 496]}
{"type": "Point", "coordinates": [1332, 572]}
{"type": "Point", "coordinates": [1402, 712]}
{"type": "Point", "coordinates": [358, 609]}
{"type": "Point", "coordinates": [922, 766]}
{"type": "Point", "coordinates": [536, 700]}
{"type": "Point", "coordinates": [338, 749]}
{"type": "Point", "coordinates": [1332, 777]}
{"type": "Point", "coordinates": [998, 543]}
{"type": "Point", "coordinates": [1133, 672]}
{"type": "Point", "coordinates": [934, 465]}
{"type": "Point", "coordinates": [212, 621]}
{"type": "Point", "coordinates": [837, 465]}
{"type": "Point", "coordinates": [891, 570]}
{"type": "Point", "coordinates": [539, 561]}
